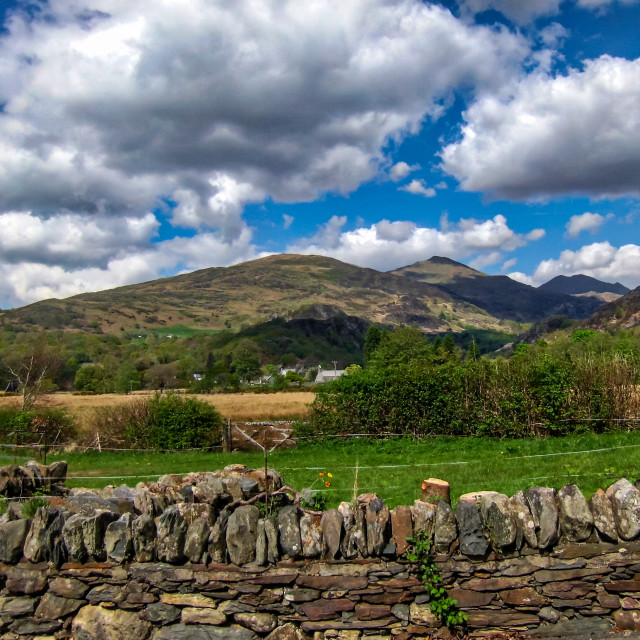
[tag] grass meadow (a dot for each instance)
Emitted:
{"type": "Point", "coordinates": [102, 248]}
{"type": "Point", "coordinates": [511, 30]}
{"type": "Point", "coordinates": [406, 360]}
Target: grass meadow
{"type": "Point", "coordinates": [395, 468]}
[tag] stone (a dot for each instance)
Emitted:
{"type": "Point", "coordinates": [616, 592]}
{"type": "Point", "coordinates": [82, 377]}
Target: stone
{"type": "Point", "coordinates": [271, 531]}
{"type": "Point", "coordinates": [625, 500]}
{"type": "Point", "coordinates": [144, 535]}
{"type": "Point", "coordinates": [192, 512]}
{"type": "Point", "coordinates": [524, 597]}
{"type": "Point", "coordinates": [421, 614]}
{"type": "Point", "coordinates": [106, 593]}
{"type": "Point", "coordinates": [53, 607]}
{"type": "Point", "coordinates": [496, 584]}
{"type": "Point", "coordinates": [473, 541]}
{"type": "Point", "coordinates": [261, 544]}
{"type": "Point", "coordinates": [242, 533]}
{"type": "Point", "coordinates": [193, 600]}
{"type": "Point", "coordinates": [469, 599]}
{"type": "Point", "coordinates": [434, 490]}
{"type": "Point", "coordinates": [218, 539]}
{"type": "Point", "coordinates": [445, 531]}
{"type": "Point", "coordinates": [194, 615]}
{"type": "Point", "coordinates": [333, 583]}
{"type": "Point", "coordinates": [423, 515]}
{"type": "Point", "coordinates": [25, 579]}
{"type": "Point", "coordinates": [300, 595]}
{"type": "Point", "coordinates": [258, 622]}
{"type": "Point", "coordinates": [196, 540]}
{"type": "Point", "coordinates": [160, 613]}
{"type": "Point", "coordinates": [93, 530]}
{"type": "Point", "coordinates": [326, 609]}
{"type": "Point", "coordinates": [603, 517]}
{"type": "Point", "coordinates": [401, 611]}
{"type": "Point", "coordinates": [376, 517]}
{"type": "Point", "coordinates": [118, 539]}
{"type": "Point", "coordinates": [172, 531]}
{"type": "Point", "coordinates": [502, 619]}
{"type": "Point", "coordinates": [88, 504]}
{"type": "Point", "coordinates": [12, 538]}
{"type": "Point", "coordinates": [203, 632]}
{"type": "Point", "coordinates": [354, 541]}
{"type": "Point", "coordinates": [525, 525]}
{"type": "Point", "coordinates": [286, 632]}
{"type": "Point", "coordinates": [289, 531]}
{"type": "Point", "coordinates": [627, 620]}
{"type": "Point", "coordinates": [73, 536]}
{"type": "Point", "coordinates": [608, 601]}
{"type": "Point", "coordinates": [331, 524]}
{"type": "Point", "coordinates": [366, 611]}
{"type": "Point", "coordinates": [108, 624]}
{"type": "Point", "coordinates": [44, 539]}
{"type": "Point", "coordinates": [542, 504]}
{"type": "Point", "coordinates": [401, 528]}
{"type": "Point", "coordinates": [574, 516]}
{"type": "Point", "coordinates": [57, 472]}
{"type": "Point", "coordinates": [311, 536]}
{"type": "Point", "coordinates": [274, 478]}
{"type": "Point", "coordinates": [34, 628]}
{"type": "Point", "coordinates": [549, 614]}
{"type": "Point", "coordinates": [17, 607]}
{"type": "Point", "coordinates": [499, 520]}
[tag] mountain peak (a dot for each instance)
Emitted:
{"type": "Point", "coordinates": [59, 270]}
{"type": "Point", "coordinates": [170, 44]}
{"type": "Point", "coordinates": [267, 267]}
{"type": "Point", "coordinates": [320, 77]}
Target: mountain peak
{"type": "Point", "coordinates": [574, 285]}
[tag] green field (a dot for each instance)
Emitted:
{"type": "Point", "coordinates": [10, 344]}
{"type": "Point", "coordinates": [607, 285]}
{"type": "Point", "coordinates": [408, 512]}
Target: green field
{"type": "Point", "coordinates": [395, 468]}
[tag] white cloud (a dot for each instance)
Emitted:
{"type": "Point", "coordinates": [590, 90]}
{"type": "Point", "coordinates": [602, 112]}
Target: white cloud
{"type": "Point", "coordinates": [508, 264]}
{"type": "Point", "coordinates": [111, 109]}
{"type": "Point", "coordinates": [586, 222]}
{"type": "Point", "coordinates": [389, 245]}
{"type": "Point", "coordinates": [401, 170]}
{"type": "Point", "coordinates": [599, 260]}
{"type": "Point", "coordinates": [419, 188]}
{"type": "Point", "coordinates": [598, 4]}
{"type": "Point", "coordinates": [28, 281]}
{"type": "Point", "coordinates": [287, 220]}
{"type": "Point", "coordinates": [578, 133]}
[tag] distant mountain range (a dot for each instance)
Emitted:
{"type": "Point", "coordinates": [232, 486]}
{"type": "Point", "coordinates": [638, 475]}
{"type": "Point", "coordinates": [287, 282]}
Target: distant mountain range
{"type": "Point", "coordinates": [437, 295]}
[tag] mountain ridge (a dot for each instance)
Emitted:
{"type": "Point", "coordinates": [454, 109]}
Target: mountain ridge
{"type": "Point", "coordinates": [436, 295]}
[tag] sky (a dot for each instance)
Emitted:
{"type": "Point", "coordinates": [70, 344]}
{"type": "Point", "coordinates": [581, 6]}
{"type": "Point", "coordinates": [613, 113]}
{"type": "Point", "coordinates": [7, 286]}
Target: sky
{"type": "Point", "coordinates": [143, 139]}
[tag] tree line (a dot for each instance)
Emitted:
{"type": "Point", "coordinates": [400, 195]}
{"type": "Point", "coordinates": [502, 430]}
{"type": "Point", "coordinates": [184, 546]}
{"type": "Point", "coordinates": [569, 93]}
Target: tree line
{"type": "Point", "coordinates": [409, 385]}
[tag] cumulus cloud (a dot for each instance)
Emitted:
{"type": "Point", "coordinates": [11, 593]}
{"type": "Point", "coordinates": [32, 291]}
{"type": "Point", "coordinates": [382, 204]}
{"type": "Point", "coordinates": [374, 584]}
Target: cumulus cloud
{"type": "Point", "coordinates": [287, 220]}
{"type": "Point", "coordinates": [419, 188]}
{"type": "Point", "coordinates": [599, 260]}
{"type": "Point", "coordinates": [586, 222]}
{"type": "Point", "coordinates": [572, 134]}
{"type": "Point", "coordinates": [113, 110]}
{"type": "Point", "coordinates": [401, 170]}
{"type": "Point", "coordinates": [30, 280]}
{"type": "Point", "coordinates": [389, 245]}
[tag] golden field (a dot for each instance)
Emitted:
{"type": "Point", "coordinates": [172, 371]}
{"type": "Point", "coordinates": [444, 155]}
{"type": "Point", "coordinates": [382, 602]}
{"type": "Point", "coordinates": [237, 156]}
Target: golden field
{"type": "Point", "coordinates": [237, 407]}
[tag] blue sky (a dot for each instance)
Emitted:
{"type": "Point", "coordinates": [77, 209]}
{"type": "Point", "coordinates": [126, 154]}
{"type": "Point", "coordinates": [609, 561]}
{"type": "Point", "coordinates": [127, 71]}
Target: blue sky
{"type": "Point", "coordinates": [139, 140]}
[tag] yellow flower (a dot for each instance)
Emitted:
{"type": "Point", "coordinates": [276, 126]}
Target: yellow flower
{"type": "Point", "coordinates": [330, 475]}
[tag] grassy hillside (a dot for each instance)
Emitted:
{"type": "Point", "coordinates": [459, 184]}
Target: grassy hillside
{"type": "Point", "coordinates": [241, 296]}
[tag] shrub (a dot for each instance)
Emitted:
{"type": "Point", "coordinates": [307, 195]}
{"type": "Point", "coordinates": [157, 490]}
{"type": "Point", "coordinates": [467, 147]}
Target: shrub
{"type": "Point", "coordinates": [60, 427]}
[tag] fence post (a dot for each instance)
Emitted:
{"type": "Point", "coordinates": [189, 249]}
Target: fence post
{"type": "Point", "coordinates": [226, 437]}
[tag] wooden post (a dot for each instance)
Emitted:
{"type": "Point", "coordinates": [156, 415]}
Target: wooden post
{"type": "Point", "coordinates": [226, 437]}
{"type": "Point", "coordinates": [266, 469]}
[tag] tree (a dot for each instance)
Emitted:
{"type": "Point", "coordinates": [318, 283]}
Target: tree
{"type": "Point", "coordinates": [473, 352]}
{"type": "Point", "coordinates": [31, 367]}
{"type": "Point", "coordinates": [372, 341]}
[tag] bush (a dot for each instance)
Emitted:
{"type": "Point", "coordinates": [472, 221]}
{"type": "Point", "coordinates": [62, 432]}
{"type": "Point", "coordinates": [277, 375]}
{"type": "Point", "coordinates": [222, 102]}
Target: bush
{"type": "Point", "coordinates": [166, 421]}
{"type": "Point", "coordinates": [60, 427]}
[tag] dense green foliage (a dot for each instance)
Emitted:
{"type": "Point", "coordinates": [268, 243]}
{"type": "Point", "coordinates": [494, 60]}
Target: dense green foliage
{"type": "Point", "coordinates": [38, 426]}
{"type": "Point", "coordinates": [165, 421]}
{"type": "Point", "coordinates": [411, 386]}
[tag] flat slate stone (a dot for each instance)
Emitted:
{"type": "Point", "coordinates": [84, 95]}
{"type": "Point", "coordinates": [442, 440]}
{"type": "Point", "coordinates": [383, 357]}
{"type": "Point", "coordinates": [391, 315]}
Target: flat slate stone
{"type": "Point", "coordinates": [203, 632]}
{"type": "Point", "coordinates": [504, 619]}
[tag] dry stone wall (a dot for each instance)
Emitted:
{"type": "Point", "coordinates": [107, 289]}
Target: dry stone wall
{"type": "Point", "coordinates": [195, 557]}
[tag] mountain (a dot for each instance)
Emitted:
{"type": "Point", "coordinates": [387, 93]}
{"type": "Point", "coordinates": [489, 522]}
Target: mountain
{"type": "Point", "coordinates": [254, 292]}
{"type": "Point", "coordinates": [500, 296]}
{"type": "Point", "coordinates": [436, 295]}
{"type": "Point", "coordinates": [623, 313]}
{"type": "Point", "coordinates": [581, 284]}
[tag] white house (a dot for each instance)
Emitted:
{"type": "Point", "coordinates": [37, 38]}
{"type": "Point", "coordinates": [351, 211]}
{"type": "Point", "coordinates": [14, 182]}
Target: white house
{"type": "Point", "coordinates": [327, 375]}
